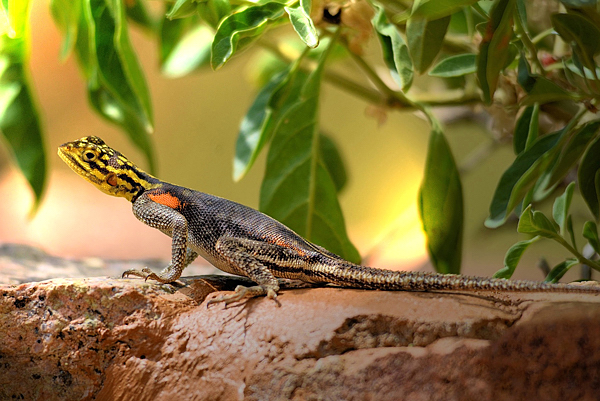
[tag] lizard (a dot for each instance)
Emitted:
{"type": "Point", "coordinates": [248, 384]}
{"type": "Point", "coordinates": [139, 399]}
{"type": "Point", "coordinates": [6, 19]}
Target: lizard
{"type": "Point", "coordinates": [240, 240]}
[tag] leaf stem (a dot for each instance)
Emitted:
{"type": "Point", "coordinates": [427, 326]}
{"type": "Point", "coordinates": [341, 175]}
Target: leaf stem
{"type": "Point", "coordinates": [542, 35]}
{"type": "Point", "coordinates": [480, 11]}
{"type": "Point", "coordinates": [397, 97]}
{"type": "Point", "coordinates": [580, 258]}
{"type": "Point", "coordinates": [383, 94]}
{"type": "Point", "coordinates": [526, 40]}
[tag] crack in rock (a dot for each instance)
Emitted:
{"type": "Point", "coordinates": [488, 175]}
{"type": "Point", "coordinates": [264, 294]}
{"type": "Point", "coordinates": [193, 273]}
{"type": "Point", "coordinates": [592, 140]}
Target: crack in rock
{"type": "Point", "coordinates": [376, 331]}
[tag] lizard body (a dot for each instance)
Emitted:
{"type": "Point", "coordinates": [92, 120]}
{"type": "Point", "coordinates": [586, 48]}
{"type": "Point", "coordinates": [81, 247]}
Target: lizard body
{"type": "Point", "coordinates": [240, 240]}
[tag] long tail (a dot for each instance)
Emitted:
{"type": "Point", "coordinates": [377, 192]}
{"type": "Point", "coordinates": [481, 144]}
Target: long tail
{"type": "Point", "coordinates": [350, 275]}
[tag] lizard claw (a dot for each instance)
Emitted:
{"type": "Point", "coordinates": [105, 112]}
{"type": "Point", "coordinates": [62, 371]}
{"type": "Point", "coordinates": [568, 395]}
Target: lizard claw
{"type": "Point", "coordinates": [273, 295]}
{"type": "Point", "coordinates": [145, 273]}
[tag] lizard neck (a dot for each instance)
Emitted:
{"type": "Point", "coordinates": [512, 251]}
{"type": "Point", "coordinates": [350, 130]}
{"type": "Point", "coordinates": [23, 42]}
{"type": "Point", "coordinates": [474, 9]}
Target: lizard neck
{"type": "Point", "coordinates": [137, 181]}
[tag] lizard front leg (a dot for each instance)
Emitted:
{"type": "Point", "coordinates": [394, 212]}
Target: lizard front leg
{"type": "Point", "coordinates": [170, 222]}
{"type": "Point", "coordinates": [244, 256]}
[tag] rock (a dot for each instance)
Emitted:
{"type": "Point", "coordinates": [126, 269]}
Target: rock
{"type": "Point", "coordinates": [99, 338]}
{"type": "Point", "coordinates": [22, 263]}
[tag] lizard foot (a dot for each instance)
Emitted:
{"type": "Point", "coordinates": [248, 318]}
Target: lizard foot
{"type": "Point", "coordinates": [242, 292]}
{"type": "Point", "coordinates": [145, 273]}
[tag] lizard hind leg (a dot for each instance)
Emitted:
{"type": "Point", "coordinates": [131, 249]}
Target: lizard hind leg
{"type": "Point", "coordinates": [242, 262]}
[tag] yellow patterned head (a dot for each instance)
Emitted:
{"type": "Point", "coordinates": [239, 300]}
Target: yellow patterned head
{"type": "Point", "coordinates": [110, 171]}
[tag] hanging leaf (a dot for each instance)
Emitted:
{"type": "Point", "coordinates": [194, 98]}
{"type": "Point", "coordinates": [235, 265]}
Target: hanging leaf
{"type": "Point", "coordinates": [455, 66]}
{"type": "Point", "coordinates": [425, 39]}
{"type": "Point", "coordinates": [269, 106]}
{"type": "Point", "coordinates": [184, 50]}
{"type": "Point", "coordinates": [433, 9]}
{"type": "Point", "coordinates": [560, 209]}
{"type": "Point", "coordinates": [213, 11]}
{"type": "Point", "coordinates": [137, 12]}
{"type": "Point", "coordinates": [589, 178]}
{"type": "Point", "coordinates": [570, 231]}
{"type": "Point", "coordinates": [519, 178]}
{"type": "Point", "coordinates": [247, 24]}
{"type": "Point", "coordinates": [297, 188]}
{"type": "Point", "coordinates": [19, 119]}
{"type": "Point", "coordinates": [513, 256]}
{"type": "Point", "coordinates": [536, 223]}
{"type": "Point", "coordinates": [441, 206]}
{"type": "Point", "coordinates": [395, 50]}
{"type": "Point", "coordinates": [581, 34]}
{"type": "Point", "coordinates": [334, 163]}
{"type": "Point", "coordinates": [526, 130]}
{"type": "Point", "coordinates": [560, 270]}
{"type": "Point", "coordinates": [116, 85]}
{"type": "Point", "coordinates": [66, 14]}
{"type": "Point", "coordinates": [590, 233]}
{"type": "Point", "coordinates": [494, 53]}
{"type": "Point", "coordinates": [182, 9]}
{"type": "Point", "coordinates": [303, 25]}
{"type": "Point", "coordinates": [572, 152]}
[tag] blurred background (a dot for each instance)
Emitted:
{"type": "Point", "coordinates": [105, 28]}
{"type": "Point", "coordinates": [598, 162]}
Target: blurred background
{"type": "Point", "coordinates": [196, 125]}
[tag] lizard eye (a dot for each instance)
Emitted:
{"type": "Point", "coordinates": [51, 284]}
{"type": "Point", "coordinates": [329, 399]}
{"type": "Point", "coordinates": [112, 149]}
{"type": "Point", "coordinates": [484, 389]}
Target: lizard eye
{"type": "Point", "coordinates": [89, 156]}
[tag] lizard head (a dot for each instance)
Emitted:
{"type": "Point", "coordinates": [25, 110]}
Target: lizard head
{"type": "Point", "coordinates": [109, 171]}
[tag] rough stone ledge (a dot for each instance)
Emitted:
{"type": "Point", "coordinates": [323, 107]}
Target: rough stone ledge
{"type": "Point", "coordinates": [99, 338]}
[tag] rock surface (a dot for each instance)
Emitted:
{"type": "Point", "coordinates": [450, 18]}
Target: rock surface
{"type": "Point", "coordinates": [109, 339]}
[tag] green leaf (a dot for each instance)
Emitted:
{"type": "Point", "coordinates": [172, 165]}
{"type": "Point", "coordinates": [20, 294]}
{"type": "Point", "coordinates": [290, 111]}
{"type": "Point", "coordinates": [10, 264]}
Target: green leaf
{"type": "Point", "coordinates": [182, 9]}
{"type": "Point", "coordinates": [253, 136]}
{"type": "Point", "coordinates": [540, 89]}
{"type": "Point", "coordinates": [526, 130]}
{"type": "Point", "coordinates": [570, 231]}
{"type": "Point", "coordinates": [579, 3]}
{"type": "Point", "coordinates": [519, 178]}
{"type": "Point", "coordinates": [583, 72]}
{"type": "Point", "coordinates": [513, 256]}
{"type": "Point", "coordinates": [522, 13]}
{"type": "Point", "coordinates": [560, 270]}
{"type": "Point", "coordinates": [560, 209]}
{"type": "Point", "coordinates": [434, 9]}
{"type": "Point", "coordinates": [333, 161]}
{"type": "Point", "coordinates": [303, 25]}
{"type": "Point", "coordinates": [441, 206]}
{"type": "Point", "coordinates": [455, 66]}
{"type": "Point", "coordinates": [270, 105]}
{"type": "Point", "coordinates": [66, 14]}
{"type": "Point", "coordinates": [572, 152]}
{"type": "Point", "coordinates": [19, 119]}
{"type": "Point", "coordinates": [395, 50]}
{"type": "Point", "coordinates": [590, 233]}
{"type": "Point", "coordinates": [213, 11]}
{"type": "Point", "coordinates": [247, 24]}
{"type": "Point", "coordinates": [171, 32]}
{"type": "Point", "coordinates": [536, 223]}
{"type": "Point", "coordinates": [494, 52]}
{"type": "Point", "coordinates": [425, 39]}
{"type": "Point", "coordinates": [116, 85]}
{"type": "Point", "coordinates": [581, 34]}
{"type": "Point", "coordinates": [18, 14]}
{"type": "Point", "coordinates": [589, 178]}
{"type": "Point", "coordinates": [297, 188]}
{"type": "Point", "coordinates": [190, 52]}
{"type": "Point", "coordinates": [137, 12]}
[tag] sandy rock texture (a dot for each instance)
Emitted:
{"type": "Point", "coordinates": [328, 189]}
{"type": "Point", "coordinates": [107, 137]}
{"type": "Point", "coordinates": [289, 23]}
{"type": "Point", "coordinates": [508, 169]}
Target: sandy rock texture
{"type": "Point", "coordinates": [109, 339]}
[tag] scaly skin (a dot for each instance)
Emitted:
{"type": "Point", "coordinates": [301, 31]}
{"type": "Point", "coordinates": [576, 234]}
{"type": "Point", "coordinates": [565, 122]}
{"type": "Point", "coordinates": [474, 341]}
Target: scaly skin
{"type": "Point", "coordinates": [246, 242]}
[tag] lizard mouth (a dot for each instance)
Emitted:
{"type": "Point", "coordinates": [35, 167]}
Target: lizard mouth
{"type": "Point", "coordinates": [65, 154]}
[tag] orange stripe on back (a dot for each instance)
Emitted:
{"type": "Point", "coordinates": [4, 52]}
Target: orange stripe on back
{"type": "Point", "coordinates": [165, 198]}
